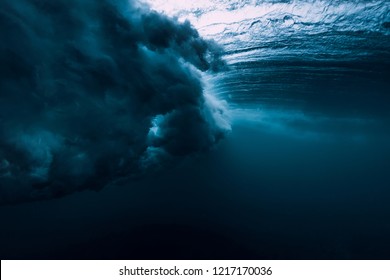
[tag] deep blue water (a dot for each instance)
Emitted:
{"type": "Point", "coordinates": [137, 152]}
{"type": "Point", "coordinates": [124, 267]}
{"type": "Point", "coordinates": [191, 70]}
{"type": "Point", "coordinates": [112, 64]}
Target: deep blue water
{"type": "Point", "coordinates": [303, 174]}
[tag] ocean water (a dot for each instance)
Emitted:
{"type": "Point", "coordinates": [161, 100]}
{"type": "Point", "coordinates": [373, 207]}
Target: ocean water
{"type": "Point", "coordinates": [303, 174]}
{"type": "Point", "coordinates": [309, 92]}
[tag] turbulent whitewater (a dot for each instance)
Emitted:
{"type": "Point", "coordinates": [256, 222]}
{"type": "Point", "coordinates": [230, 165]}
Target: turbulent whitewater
{"type": "Point", "coordinates": [92, 92]}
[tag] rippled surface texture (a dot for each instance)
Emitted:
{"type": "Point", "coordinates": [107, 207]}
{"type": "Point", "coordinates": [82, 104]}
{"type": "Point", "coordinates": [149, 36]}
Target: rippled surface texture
{"type": "Point", "coordinates": [327, 58]}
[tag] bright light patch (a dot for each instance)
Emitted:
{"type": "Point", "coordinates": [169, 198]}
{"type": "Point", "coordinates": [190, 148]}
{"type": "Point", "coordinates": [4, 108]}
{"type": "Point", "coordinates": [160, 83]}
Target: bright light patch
{"type": "Point", "coordinates": [154, 130]}
{"type": "Point", "coordinates": [213, 17]}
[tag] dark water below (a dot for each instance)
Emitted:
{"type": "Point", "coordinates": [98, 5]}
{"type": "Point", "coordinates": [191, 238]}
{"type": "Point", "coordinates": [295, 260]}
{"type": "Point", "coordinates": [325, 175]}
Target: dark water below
{"type": "Point", "coordinates": [261, 194]}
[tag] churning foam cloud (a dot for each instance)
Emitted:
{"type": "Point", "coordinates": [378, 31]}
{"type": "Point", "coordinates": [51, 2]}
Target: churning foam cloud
{"type": "Point", "coordinates": [93, 91]}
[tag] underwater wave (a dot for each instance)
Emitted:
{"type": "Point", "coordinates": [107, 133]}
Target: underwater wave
{"type": "Point", "coordinates": [299, 62]}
